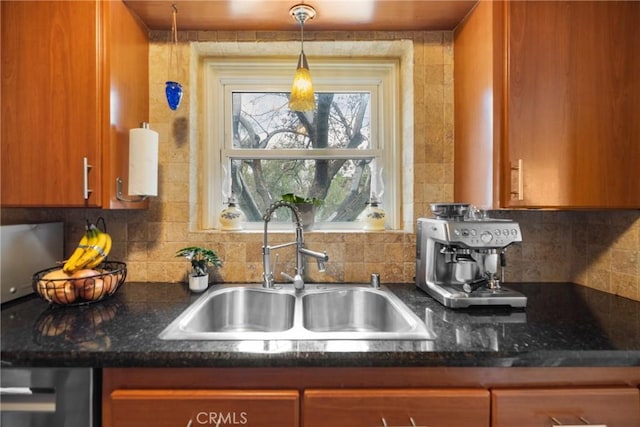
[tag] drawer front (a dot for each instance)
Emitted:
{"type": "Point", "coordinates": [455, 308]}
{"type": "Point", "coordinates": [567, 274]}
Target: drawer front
{"type": "Point", "coordinates": [193, 408]}
{"type": "Point", "coordinates": [612, 407]}
{"type": "Point", "coordinates": [394, 408]}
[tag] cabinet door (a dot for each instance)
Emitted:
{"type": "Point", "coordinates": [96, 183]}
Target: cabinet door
{"type": "Point", "coordinates": [390, 407]}
{"type": "Point", "coordinates": [74, 81]}
{"type": "Point", "coordinates": [615, 407]}
{"type": "Point", "coordinates": [546, 105]}
{"type": "Point", "coordinates": [191, 408]}
{"type": "Point", "coordinates": [573, 98]}
{"type": "Point", "coordinates": [125, 97]}
{"type": "Point", "coordinates": [50, 102]}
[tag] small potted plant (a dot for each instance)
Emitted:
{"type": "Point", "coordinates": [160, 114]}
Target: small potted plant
{"type": "Point", "coordinates": [200, 259]}
{"type": "Point", "coordinates": [306, 206]}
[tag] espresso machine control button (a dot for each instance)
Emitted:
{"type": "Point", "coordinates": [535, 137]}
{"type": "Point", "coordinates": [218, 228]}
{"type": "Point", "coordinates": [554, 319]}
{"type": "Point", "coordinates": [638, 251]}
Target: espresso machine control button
{"type": "Point", "coordinates": [486, 237]}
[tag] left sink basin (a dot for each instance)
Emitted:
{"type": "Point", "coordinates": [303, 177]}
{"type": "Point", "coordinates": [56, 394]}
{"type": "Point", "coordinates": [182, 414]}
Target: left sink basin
{"type": "Point", "coordinates": [235, 313]}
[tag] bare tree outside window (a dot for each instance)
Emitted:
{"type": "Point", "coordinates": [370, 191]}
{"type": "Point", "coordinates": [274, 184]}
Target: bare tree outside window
{"type": "Point", "coordinates": [313, 153]}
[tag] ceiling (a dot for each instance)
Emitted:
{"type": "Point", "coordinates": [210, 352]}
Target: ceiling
{"type": "Point", "coordinates": [273, 15]}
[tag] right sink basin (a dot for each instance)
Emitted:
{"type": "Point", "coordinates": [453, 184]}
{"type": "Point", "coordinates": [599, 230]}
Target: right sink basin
{"type": "Point", "coordinates": [354, 310]}
{"type": "Point", "coordinates": [319, 312]}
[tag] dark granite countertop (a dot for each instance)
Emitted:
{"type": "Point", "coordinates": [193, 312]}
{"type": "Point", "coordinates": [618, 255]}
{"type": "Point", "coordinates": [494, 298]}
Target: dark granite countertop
{"type": "Point", "coordinates": [563, 325]}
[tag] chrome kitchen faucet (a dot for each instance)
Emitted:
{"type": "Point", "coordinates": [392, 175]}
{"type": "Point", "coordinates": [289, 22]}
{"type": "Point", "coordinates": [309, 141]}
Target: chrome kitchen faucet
{"type": "Point", "coordinates": [301, 251]}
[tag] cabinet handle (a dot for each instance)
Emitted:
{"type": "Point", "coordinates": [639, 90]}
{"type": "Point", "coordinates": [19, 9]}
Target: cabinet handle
{"type": "Point", "coordinates": [584, 421]}
{"type": "Point", "coordinates": [85, 171]}
{"type": "Point", "coordinates": [23, 399]}
{"type": "Point", "coordinates": [413, 423]}
{"type": "Point", "coordinates": [520, 192]}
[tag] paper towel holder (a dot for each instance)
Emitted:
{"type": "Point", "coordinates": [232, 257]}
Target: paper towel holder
{"type": "Point", "coordinates": [119, 181]}
{"type": "Point", "coordinates": [120, 195]}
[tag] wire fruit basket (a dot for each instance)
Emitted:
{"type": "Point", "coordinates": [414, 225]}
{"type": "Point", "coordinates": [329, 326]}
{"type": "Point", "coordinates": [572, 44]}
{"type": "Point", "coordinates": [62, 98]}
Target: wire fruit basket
{"type": "Point", "coordinates": [82, 287]}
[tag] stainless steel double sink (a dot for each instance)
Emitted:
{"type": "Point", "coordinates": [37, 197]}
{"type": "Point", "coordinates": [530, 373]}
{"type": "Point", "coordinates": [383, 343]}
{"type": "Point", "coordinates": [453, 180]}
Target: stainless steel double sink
{"type": "Point", "coordinates": [319, 312]}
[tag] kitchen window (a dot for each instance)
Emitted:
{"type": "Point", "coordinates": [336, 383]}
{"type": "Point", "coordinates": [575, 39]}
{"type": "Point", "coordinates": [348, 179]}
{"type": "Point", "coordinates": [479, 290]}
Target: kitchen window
{"type": "Point", "coordinates": [257, 149]}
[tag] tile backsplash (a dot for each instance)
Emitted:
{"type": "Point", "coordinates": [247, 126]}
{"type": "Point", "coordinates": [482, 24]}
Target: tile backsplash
{"type": "Point", "coordinates": [595, 249]}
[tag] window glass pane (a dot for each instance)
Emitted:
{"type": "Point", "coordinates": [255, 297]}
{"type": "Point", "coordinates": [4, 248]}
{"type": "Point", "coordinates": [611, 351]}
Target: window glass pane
{"type": "Point", "coordinates": [342, 184]}
{"type": "Point", "coordinates": [263, 120]}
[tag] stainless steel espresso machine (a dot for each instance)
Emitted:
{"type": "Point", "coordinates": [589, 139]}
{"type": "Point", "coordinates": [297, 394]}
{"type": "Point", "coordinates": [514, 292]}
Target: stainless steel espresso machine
{"type": "Point", "coordinates": [460, 257]}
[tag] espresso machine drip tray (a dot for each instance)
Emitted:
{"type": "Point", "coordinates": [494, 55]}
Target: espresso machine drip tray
{"type": "Point", "coordinates": [454, 296]}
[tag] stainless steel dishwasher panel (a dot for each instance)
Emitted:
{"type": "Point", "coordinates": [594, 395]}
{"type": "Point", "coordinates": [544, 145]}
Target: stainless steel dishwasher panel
{"type": "Point", "coordinates": [27, 249]}
{"type": "Point", "coordinates": [47, 397]}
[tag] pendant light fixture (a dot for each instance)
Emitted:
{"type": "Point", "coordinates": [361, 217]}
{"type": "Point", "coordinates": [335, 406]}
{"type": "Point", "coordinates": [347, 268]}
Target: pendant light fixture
{"type": "Point", "coordinates": [302, 95]}
{"type": "Point", "coordinates": [173, 89]}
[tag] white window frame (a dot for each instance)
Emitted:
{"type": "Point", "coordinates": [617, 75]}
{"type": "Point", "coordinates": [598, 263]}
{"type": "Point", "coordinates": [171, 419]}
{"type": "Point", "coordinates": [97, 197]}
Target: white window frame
{"type": "Point", "coordinates": [223, 74]}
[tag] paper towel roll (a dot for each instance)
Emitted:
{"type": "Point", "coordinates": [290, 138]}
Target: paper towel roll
{"type": "Point", "coordinates": [143, 162]}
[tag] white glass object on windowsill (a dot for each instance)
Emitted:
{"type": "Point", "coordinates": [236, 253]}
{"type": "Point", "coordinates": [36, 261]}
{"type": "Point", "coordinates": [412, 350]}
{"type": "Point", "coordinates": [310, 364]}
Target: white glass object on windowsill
{"type": "Point", "coordinates": [231, 217]}
{"type": "Point", "coordinates": [374, 217]}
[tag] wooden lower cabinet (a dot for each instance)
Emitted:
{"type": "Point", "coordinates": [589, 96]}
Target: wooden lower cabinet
{"type": "Point", "coordinates": [610, 407]}
{"type": "Point", "coordinates": [192, 408]}
{"type": "Point", "coordinates": [370, 397]}
{"type": "Point", "coordinates": [395, 408]}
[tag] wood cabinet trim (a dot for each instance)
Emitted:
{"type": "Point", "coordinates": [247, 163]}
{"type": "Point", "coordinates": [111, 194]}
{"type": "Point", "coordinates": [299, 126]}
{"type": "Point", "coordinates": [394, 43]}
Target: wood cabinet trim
{"type": "Point", "coordinates": [304, 378]}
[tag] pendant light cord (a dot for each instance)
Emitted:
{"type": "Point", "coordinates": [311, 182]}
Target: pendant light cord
{"type": "Point", "coordinates": [173, 51]}
{"type": "Point", "coordinates": [302, 36]}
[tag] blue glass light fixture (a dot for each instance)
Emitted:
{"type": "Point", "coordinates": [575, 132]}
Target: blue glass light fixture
{"type": "Point", "coordinates": [173, 89]}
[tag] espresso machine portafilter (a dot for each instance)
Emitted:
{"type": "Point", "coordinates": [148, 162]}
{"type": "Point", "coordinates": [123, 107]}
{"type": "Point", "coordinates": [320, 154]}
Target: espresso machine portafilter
{"type": "Point", "coordinates": [460, 257]}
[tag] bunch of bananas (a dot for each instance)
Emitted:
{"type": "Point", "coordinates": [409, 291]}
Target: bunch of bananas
{"type": "Point", "coordinates": [91, 251]}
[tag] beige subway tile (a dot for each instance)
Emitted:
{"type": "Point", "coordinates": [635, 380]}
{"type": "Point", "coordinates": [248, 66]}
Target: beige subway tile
{"type": "Point", "coordinates": [156, 271]}
{"type": "Point", "coordinates": [394, 252]}
{"type": "Point", "coordinates": [235, 252]}
{"type": "Point", "coordinates": [137, 232]}
{"type": "Point", "coordinates": [137, 251]}
{"type": "Point", "coordinates": [625, 285]}
{"type": "Point", "coordinates": [234, 271]}
{"type": "Point", "coordinates": [227, 36]}
{"type": "Point", "coordinates": [624, 261]}
{"type": "Point", "coordinates": [434, 54]}
{"type": "Point", "coordinates": [136, 271]}
{"type": "Point", "coordinates": [354, 272]}
{"type": "Point", "coordinates": [176, 272]}
{"type": "Point", "coordinates": [409, 273]}
{"type": "Point", "coordinates": [175, 211]}
{"type": "Point", "coordinates": [392, 272]}
{"type": "Point", "coordinates": [253, 272]}
{"type": "Point", "coordinates": [599, 279]}
{"type": "Point", "coordinates": [354, 252]}
{"type": "Point", "coordinates": [165, 251]}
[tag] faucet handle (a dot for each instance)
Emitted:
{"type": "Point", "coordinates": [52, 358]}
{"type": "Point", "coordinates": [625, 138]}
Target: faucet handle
{"type": "Point", "coordinates": [297, 280]}
{"type": "Point", "coordinates": [275, 264]}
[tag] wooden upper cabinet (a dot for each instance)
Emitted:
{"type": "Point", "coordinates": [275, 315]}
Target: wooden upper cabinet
{"type": "Point", "coordinates": [74, 81]}
{"type": "Point", "coordinates": [547, 102]}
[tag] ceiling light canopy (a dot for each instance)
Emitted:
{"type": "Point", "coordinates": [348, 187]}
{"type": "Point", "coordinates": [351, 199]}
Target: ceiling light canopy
{"type": "Point", "coordinates": [302, 96]}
